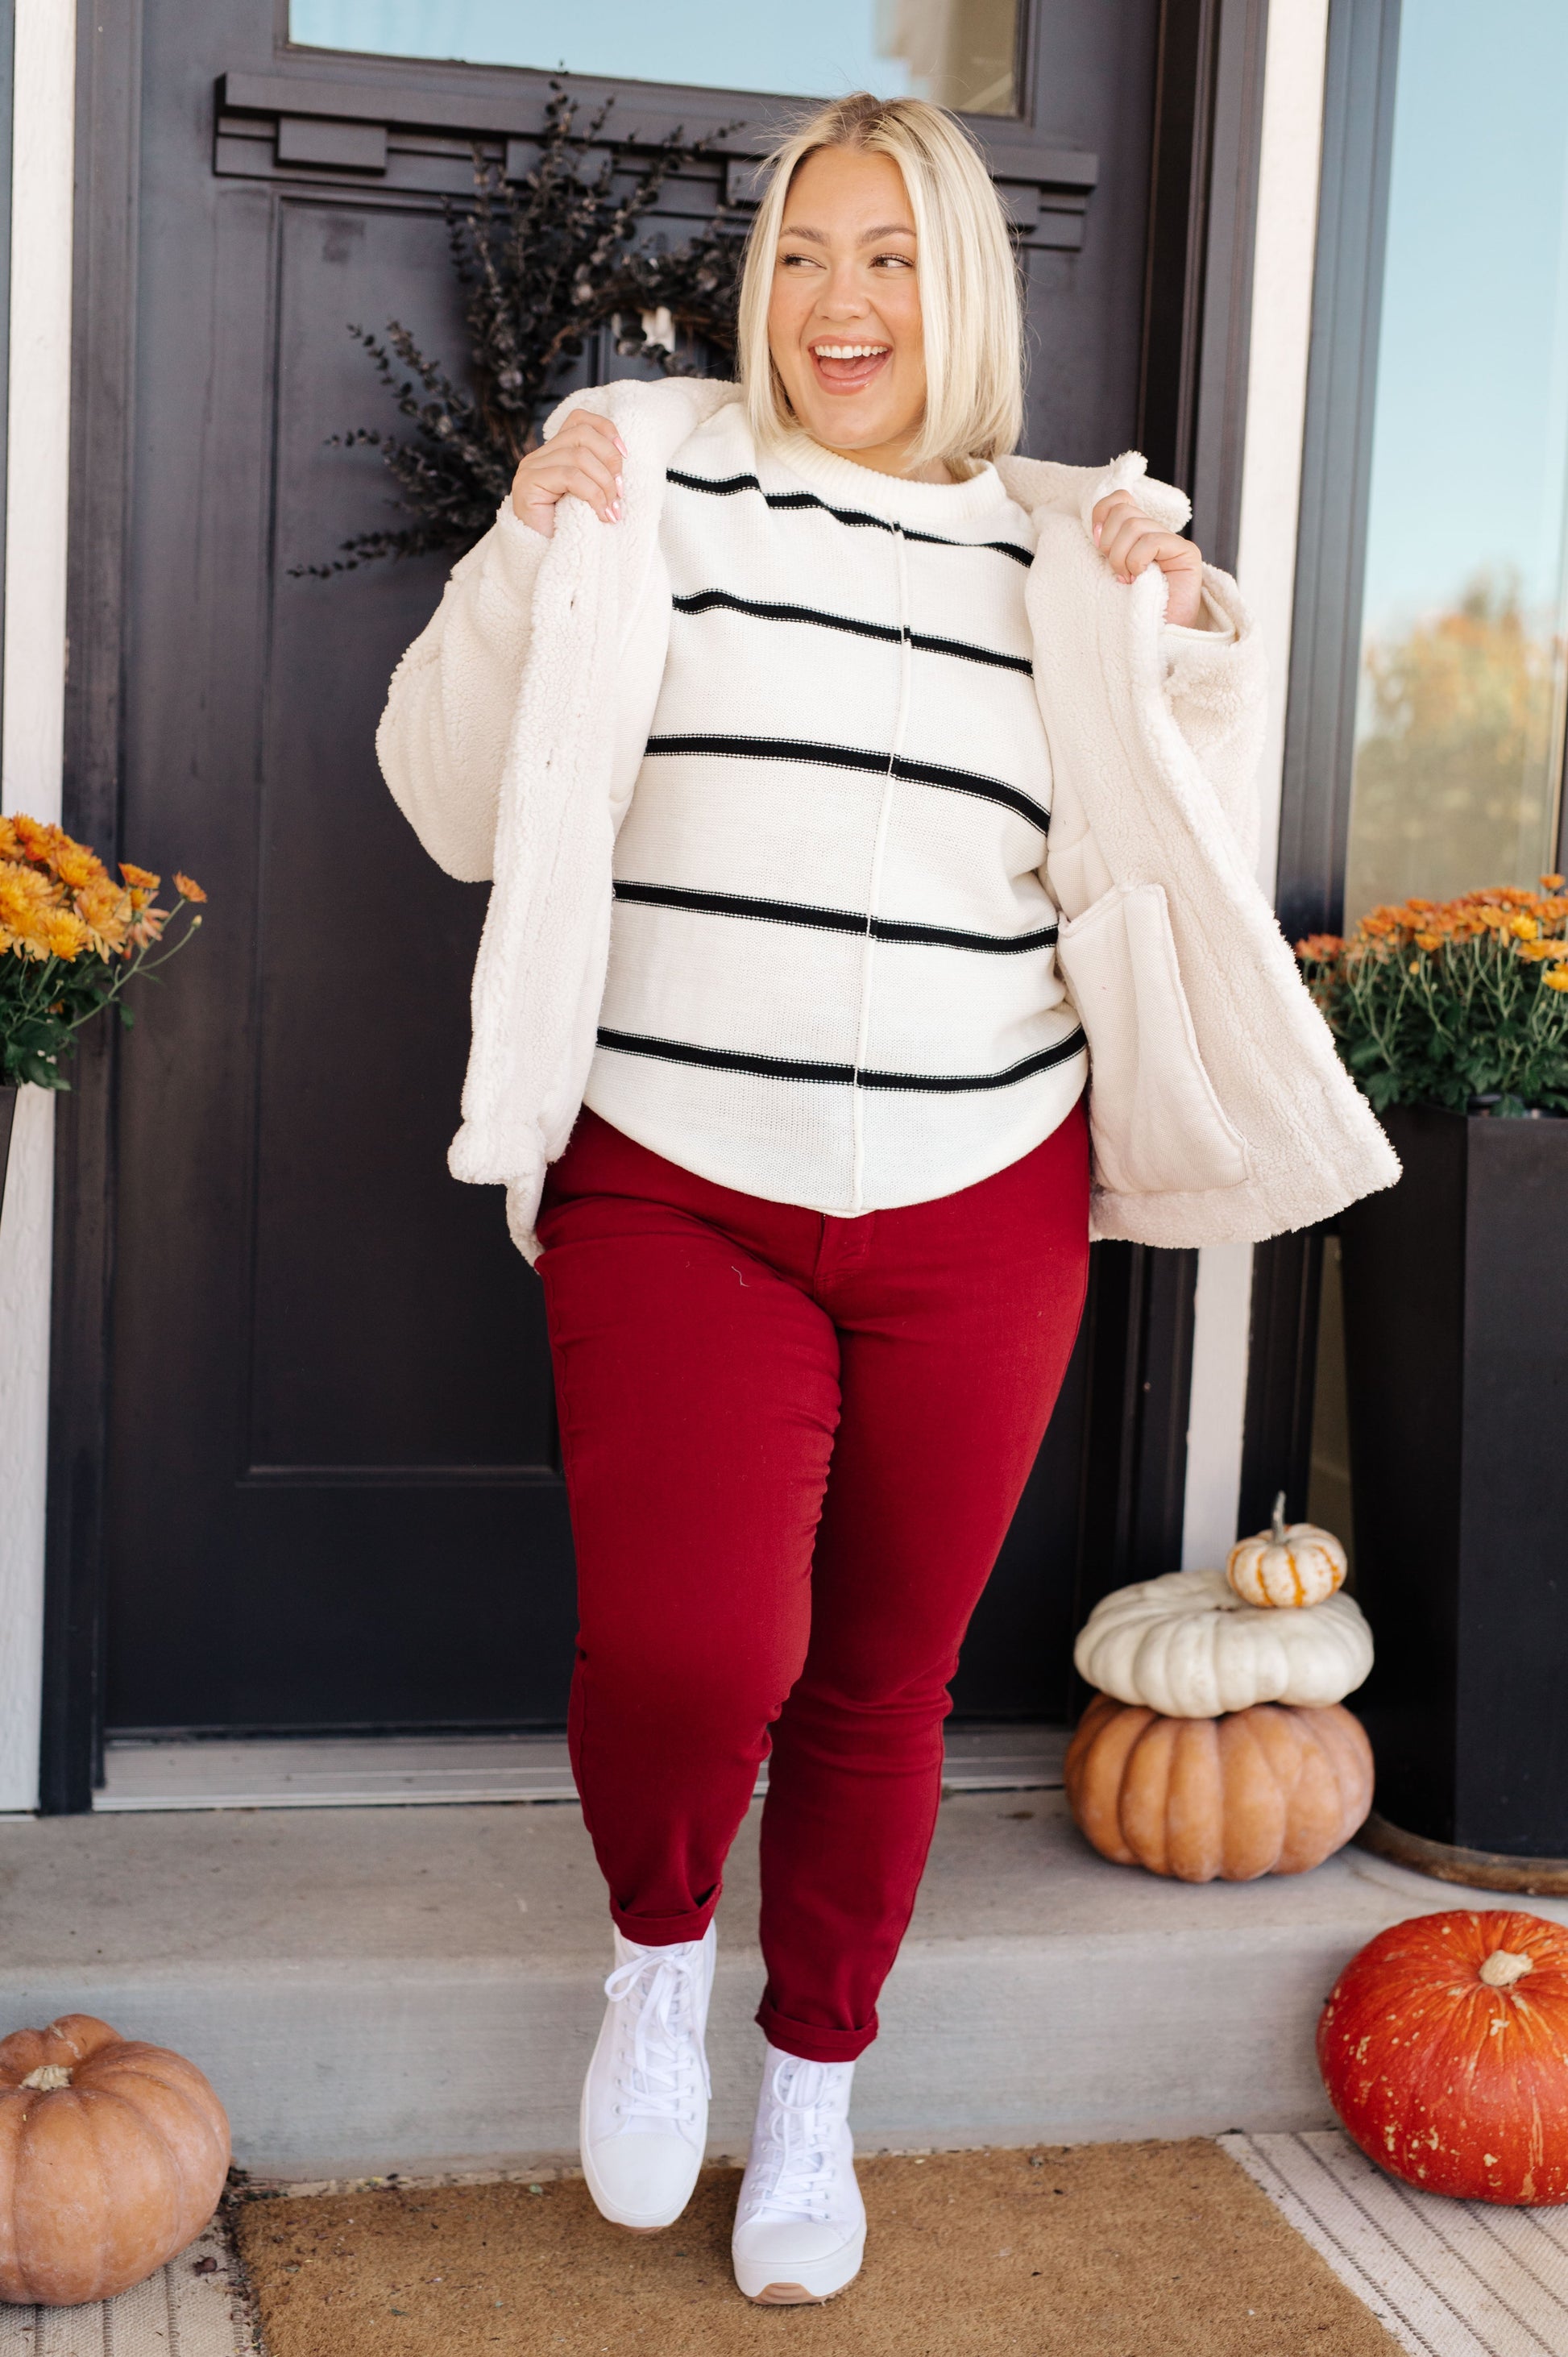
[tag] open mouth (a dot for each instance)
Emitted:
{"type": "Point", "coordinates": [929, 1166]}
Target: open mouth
{"type": "Point", "coordinates": [845, 367]}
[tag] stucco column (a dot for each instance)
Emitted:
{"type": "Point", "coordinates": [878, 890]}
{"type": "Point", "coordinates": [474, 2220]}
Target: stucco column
{"type": "Point", "coordinates": [37, 481]}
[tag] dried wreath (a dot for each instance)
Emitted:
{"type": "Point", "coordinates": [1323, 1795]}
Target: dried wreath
{"type": "Point", "coordinates": [544, 263]}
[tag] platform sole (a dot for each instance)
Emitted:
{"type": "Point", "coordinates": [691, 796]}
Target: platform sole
{"type": "Point", "coordinates": [806, 2287]}
{"type": "Point", "coordinates": [789, 2295]}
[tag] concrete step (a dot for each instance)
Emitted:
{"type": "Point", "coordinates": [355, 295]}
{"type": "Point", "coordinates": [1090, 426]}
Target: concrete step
{"type": "Point", "coordinates": [417, 1989]}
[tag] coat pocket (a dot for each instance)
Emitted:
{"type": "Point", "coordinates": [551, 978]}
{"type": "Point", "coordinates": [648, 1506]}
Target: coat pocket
{"type": "Point", "coordinates": [1156, 1125]}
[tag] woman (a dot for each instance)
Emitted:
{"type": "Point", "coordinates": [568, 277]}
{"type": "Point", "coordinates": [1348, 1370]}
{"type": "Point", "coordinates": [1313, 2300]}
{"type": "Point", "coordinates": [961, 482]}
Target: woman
{"type": "Point", "coordinates": [800, 674]}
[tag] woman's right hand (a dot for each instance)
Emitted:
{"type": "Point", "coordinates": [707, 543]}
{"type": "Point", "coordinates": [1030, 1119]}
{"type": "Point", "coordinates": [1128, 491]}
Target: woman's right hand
{"type": "Point", "coordinates": [581, 461]}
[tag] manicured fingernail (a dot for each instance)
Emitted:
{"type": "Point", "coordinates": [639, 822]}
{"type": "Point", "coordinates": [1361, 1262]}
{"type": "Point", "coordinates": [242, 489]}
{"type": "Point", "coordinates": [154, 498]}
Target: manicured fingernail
{"type": "Point", "coordinates": [1097, 530]}
{"type": "Point", "coordinates": [618, 485]}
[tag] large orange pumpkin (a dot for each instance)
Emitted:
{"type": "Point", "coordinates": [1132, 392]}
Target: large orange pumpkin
{"type": "Point", "coordinates": [1443, 2047]}
{"type": "Point", "coordinates": [113, 2156]}
{"type": "Point", "coordinates": [1272, 1790]}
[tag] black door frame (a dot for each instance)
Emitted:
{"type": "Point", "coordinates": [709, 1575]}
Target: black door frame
{"type": "Point", "coordinates": [1193, 393]}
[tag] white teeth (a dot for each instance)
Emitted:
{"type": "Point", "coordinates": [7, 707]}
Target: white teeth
{"type": "Point", "coordinates": [848, 351]}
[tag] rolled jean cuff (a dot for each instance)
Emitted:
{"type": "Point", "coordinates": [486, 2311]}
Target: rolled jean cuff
{"type": "Point", "coordinates": [664, 1931]}
{"type": "Point", "coordinates": [811, 2043]}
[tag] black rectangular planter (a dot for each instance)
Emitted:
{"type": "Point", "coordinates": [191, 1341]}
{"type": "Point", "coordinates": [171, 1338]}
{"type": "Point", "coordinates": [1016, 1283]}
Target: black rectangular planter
{"type": "Point", "coordinates": [1457, 1361]}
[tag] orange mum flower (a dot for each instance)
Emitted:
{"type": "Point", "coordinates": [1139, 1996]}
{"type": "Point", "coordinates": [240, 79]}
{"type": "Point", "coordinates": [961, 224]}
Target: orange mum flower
{"type": "Point", "coordinates": [1553, 883]}
{"type": "Point", "coordinates": [148, 926]}
{"type": "Point", "coordinates": [37, 841]}
{"type": "Point", "coordinates": [75, 865]}
{"type": "Point", "coordinates": [27, 902]}
{"type": "Point", "coordinates": [105, 911]}
{"type": "Point", "coordinates": [65, 935]}
{"type": "Point", "coordinates": [1557, 979]}
{"type": "Point", "coordinates": [1318, 948]}
{"type": "Point", "coordinates": [141, 879]}
{"type": "Point", "coordinates": [187, 888]}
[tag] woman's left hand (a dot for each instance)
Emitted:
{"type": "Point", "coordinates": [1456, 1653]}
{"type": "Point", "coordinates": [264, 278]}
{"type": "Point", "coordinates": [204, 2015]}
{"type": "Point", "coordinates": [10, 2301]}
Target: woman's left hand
{"type": "Point", "coordinates": [1130, 541]}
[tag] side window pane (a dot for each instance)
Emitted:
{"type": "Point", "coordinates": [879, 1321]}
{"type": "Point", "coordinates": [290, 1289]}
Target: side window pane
{"type": "Point", "coordinates": [959, 52]}
{"type": "Point", "coordinates": [1459, 727]}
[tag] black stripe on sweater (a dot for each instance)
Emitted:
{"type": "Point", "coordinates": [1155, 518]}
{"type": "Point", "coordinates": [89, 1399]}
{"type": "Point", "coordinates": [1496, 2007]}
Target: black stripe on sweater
{"type": "Point", "coordinates": [830, 920]}
{"type": "Point", "coordinates": [725, 486]}
{"type": "Point", "coordinates": [850, 756]}
{"type": "Point", "coordinates": [705, 601]}
{"type": "Point", "coordinates": [784, 1068]}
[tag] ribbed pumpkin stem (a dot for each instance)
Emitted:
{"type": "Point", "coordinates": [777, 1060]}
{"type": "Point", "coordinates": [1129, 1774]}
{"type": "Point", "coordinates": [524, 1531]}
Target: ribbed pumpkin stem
{"type": "Point", "coordinates": [1278, 1533]}
{"type": "Point", "coordinates": [1503, 1967]}
{"type": "Point", "coordinates": [49, 2076]}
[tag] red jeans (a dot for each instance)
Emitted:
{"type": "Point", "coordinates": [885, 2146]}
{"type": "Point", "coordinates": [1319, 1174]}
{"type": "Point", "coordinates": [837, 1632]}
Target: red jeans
{"type": "Point", "coordinates": [793, 1445]}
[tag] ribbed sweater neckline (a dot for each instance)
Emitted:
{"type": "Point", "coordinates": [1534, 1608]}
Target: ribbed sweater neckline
{"type": "Point", "coordinates": [928, 507]}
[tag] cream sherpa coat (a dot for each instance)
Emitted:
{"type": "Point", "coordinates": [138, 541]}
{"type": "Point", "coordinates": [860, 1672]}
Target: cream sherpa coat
{"type": "Point", "coordinates": [511, 741]}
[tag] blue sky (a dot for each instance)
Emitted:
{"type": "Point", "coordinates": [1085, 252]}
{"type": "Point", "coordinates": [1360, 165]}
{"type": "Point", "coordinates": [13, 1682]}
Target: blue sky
{"type": "Point", "coordinates": [812, 48]}
{"type": "Point", "coordinates": [1471, 404]}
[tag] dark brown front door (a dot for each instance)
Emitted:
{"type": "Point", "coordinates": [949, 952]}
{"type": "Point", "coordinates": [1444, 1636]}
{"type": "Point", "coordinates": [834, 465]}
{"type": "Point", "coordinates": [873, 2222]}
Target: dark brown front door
{"type": "Point", "coordinates": [333, 1498]}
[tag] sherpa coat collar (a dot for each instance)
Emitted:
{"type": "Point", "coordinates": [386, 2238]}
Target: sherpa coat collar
{"type": "Point", "coordinates": [1199, 1025]}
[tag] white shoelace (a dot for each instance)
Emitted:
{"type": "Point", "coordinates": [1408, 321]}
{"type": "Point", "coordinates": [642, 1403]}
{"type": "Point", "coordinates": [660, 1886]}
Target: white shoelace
{"type": "Point", "coordinates": [662, 1984]}
{"type": "Point", "coordinates": [802, 2133]}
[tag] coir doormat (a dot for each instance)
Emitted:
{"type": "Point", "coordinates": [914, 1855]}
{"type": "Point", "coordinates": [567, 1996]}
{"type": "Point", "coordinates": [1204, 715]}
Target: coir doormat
{"type": "Point", "coordinates": [1141, 2250]}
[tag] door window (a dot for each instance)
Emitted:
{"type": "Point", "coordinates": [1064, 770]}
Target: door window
{"type": "Point", "coordinates": [963, 53]}
{"type": "Point", "coordinates": [1460, 717]}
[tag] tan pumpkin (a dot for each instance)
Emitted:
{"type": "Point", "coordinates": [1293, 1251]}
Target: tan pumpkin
{"type": "Point", "coordinates": [1274, 1789]}
{"type": "Point", "coordinates": [1290, 1564]}
{"type": "Point", "coordinates": [113, 2156]}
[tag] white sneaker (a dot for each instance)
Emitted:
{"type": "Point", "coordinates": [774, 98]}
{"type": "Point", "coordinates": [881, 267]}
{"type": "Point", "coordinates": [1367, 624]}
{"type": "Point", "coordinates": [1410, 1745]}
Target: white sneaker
{"type": "Point", "coordinates": [644, 2117]}
{"type": "Point", "coordinates": [800, 2226]}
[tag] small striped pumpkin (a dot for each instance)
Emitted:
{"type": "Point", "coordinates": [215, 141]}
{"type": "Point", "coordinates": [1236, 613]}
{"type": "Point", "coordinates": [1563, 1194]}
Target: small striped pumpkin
{"type": "Point", "coordinates": [1292, 1564]}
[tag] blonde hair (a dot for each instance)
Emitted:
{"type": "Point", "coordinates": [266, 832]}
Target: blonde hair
{"type": "Point", "coordinates": [970, 298]}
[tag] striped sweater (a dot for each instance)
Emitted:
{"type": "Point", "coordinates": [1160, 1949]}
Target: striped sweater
{"type": "Point", "coordinates": [515, 732]}
{"type": "Point", "coordinates": [832, 976]}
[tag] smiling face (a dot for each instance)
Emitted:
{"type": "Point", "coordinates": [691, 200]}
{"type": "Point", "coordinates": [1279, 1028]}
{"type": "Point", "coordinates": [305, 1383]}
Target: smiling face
{"type": "Point", "coordinates": [843, 316]}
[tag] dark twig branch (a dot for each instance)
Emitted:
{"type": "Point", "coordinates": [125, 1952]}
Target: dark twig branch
{"type": "Point", "coordinates": [544, 263]}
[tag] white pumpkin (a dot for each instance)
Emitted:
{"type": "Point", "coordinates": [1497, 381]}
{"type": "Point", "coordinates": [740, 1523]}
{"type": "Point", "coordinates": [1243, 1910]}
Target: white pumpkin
{"type": "Point", "coordinates": [1186, 1646]}
{"type": "Point", "coordinates": [1292, 1564]}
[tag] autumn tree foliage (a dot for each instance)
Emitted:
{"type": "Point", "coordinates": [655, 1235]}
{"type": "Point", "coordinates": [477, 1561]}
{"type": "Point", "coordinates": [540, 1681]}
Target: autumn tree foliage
{"type": "Point", "coordinates": [1456, 762]}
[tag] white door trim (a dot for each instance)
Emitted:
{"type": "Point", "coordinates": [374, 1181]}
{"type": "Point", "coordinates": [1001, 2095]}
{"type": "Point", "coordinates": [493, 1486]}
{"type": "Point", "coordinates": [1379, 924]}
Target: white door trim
{"type": "Point", "coordinates": [37, 491]}
{"type": "Point", "coordinates": [1289, 172]}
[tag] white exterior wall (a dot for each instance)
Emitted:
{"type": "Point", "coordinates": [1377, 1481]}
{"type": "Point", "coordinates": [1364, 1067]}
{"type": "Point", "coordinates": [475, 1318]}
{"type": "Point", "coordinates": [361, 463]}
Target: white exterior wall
{"type": "Point", "coordinates": [1265, 567]}
{"type": "Point", "coordinates": [35, 646]}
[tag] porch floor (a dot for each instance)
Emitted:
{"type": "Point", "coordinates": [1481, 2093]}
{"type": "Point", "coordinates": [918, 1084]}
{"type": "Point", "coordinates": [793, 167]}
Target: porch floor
{"type": "Point", "coordinates": [416, 1989]}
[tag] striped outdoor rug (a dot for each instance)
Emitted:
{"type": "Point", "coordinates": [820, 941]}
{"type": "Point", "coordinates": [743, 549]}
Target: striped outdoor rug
{"type": "Point", "coordinates": [1446, 2278]}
